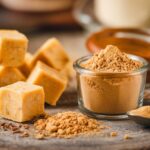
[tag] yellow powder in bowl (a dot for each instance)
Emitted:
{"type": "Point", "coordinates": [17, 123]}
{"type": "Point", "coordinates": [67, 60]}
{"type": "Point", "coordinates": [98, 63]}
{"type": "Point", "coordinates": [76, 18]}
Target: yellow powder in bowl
{"type": "Point", "coordinates": [110, 93]}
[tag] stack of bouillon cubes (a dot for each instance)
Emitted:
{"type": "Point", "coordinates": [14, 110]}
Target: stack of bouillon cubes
{"type": "Point", "coordinates": [28, 81]}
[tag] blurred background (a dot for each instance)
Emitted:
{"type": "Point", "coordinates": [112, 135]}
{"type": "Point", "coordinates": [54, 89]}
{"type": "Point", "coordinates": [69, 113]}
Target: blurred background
{"type": "Point", "coordinates": [124, 23]}
{"type": "Point", "coordinates": [42, 19]}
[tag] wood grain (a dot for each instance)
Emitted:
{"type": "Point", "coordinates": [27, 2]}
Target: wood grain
{"type": "Point", "coordinates": [140, 135]}
{"type": "Point", "coordinates": [140, 138]}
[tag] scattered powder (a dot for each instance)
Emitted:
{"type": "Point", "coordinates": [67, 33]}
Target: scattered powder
{"type": "Point", "coordinates": [21, 129]}
{"type": "Point", "coordinates": [111, 59]}
{"type": "Point", "coordinates": [66, 125]}
{"type": "Point", "coordinates": [142, 111]}
{"type": "Point", "coordinates": [114, 133]}
{"type": "Point", "coordinates": [127, 136]}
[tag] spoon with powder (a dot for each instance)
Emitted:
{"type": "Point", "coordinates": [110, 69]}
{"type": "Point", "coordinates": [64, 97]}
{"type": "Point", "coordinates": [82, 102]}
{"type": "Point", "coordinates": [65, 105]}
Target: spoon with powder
{"type": "Point", "coordinates": [141, 115]}
{"type": "Point", "coordinates": [147, 95]}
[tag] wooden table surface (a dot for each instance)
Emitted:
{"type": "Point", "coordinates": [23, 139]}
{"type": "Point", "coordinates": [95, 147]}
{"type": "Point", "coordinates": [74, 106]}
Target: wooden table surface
{"type": "Point", "coordinates": [74, 43]}
{"type": "Point", "coordinates": [140, 138]}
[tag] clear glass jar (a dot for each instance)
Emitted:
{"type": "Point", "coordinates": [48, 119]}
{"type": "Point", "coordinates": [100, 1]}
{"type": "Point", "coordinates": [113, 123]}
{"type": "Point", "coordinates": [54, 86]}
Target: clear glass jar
{"type": "Point", "coordinates": [110, 95]}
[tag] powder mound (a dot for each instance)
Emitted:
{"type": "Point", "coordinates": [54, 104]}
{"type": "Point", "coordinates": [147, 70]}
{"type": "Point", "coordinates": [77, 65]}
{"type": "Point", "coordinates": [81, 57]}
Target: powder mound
{"type": "Point", "coordinates": [111, 59]}
{"type": "Point", "coordinates": [67, 125]}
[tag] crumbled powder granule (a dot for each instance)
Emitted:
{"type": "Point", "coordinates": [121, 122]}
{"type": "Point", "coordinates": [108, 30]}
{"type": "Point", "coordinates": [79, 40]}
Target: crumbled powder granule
{"type": "Point", "coordinates": [127, 136]}
{"type": "Point", "coordinates": [16, 128]}
{"type": "Point", "coordinates": [111, 59]}
{"type": "Point", "coordinates": [113, 134]}
{"type": "Point", "coordinates": [66, 125]}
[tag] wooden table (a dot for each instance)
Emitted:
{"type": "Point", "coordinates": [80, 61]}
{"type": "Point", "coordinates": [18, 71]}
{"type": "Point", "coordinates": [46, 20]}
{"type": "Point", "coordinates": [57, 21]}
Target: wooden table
{"type": "Point", "coordinates": [140, 138]}
{"type": "Point", "coordinates": [74, 43]}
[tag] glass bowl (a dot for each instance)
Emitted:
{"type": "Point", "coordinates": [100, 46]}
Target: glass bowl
{"type": "Point", "coordinates": [104, 95]}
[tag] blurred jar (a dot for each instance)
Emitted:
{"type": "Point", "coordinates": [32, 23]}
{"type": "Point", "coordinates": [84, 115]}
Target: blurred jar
{"type": "Point", "coordinates": [123, 13]}
{"type": "Point", "coordinates": [37, 5]}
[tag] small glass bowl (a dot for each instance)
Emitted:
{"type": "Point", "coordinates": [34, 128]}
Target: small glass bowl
{"type": "Point", "coordinates": [104, 95]}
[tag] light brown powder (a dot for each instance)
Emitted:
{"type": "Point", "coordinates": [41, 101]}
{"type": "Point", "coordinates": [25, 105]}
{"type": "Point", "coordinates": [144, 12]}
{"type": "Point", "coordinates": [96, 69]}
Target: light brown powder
{"type": "Point", "coordinates": [112, 92]}
{"type": "Point", "coordinates": [127, 136]}
{"type": "Point", "coordinates": [142, 111]}
{"type": "Point", "coordinates": [113, 134]}
{"type": "Point", "coordinates": [111, 59]}
{"type": "Point", "coordinates": [66, 125]}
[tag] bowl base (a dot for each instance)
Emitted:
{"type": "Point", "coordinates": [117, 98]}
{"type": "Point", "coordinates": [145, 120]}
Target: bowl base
{"type": "Point", "coordinates": [100, 116]}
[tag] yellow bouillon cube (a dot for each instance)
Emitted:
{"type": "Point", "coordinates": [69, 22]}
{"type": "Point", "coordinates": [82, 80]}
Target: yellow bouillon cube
{"type": "Point", "coordinates": [21, 101]}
